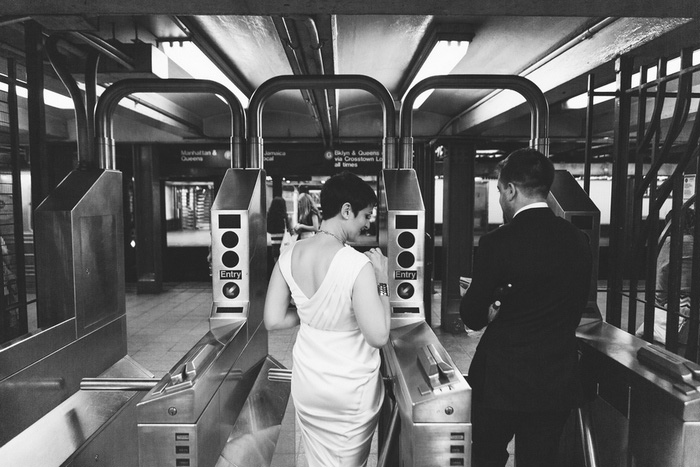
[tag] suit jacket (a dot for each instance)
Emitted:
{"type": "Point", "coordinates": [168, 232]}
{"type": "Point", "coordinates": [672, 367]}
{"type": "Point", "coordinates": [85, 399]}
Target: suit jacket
{"type": "Point", "coordinates": [527, 358]}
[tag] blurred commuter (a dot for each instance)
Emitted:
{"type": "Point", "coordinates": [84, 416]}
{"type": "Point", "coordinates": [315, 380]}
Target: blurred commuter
{"type": "Point", "coordinates": [524, 374]}
{"type": "Point", "coordinates": [9, 277]}
{"type": "Point", "coordinates": [308, 217]}
{"type": "Point", "coordinates": [277, 224]}
{"type": "Point", "coordinates": [663, 265]}
{"type": "Point", "coordinates": [342, 307]}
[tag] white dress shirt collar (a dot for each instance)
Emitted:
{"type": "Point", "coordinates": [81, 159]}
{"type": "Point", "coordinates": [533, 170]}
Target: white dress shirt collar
{"type": "Point", "coordinates": [538, 204]}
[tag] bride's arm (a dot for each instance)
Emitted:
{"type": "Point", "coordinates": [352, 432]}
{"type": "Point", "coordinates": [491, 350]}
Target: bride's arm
{"type": "Point", "coordinates": [277, 313]}
{"type": "Point", "coordinates": [371, 309]}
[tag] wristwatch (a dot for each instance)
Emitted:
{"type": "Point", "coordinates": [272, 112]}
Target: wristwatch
{"type": "Point", "coordinates": [383, 289]}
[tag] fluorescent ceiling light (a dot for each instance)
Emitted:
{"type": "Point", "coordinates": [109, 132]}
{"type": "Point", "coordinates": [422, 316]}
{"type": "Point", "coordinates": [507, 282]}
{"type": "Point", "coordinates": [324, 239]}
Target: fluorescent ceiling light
{"type": "Point", "coordinates": [53, 99]}
{"type": "Point", "coordinates": [191, 59]}
{"type": "Point", "coordinates": [132, 103]}
{"type": "Point", "coordinates": [443, 58]}
{"type": "Point", "coordinates": [581, 101]}
{"type": "Point", "coordinates": [672, 66]}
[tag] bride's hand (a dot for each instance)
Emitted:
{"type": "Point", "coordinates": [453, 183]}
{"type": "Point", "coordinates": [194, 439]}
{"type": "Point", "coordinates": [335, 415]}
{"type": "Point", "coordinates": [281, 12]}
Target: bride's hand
{"type": "Point", "coordinates": [379, 263]}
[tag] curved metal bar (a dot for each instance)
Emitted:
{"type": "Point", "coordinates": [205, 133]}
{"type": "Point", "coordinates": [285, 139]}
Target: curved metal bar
{"type": "Point", "coordinates": [81, 123]}
{"type": "Point", "coordinates": [105, 48]}
{"type": "Point", "coordinates": [109, 100]}
{"type": "Point", "coordinates": [692, 152]}
{"type": "Point", "coordinates": [539, 109]}
{"type": "Point", "coordinates": [655, 121]}
{"type": "Point", "coordinates": [680, 115]}
{"type": "Point", "coordinates": [282, 83]}
{"type": "Point", "coordinates": [91, 66]}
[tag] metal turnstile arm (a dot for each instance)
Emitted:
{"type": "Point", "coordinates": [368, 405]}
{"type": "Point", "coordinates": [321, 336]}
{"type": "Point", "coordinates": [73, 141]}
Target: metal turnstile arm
{"type": "Point", "coordinates": [118, 384]}
{"type": "Point", "coordinates": [584, 425]}
{"type": "Point", "coordinates": [390, 435]}
{"type": "Point", "coordinates": [279, 375]}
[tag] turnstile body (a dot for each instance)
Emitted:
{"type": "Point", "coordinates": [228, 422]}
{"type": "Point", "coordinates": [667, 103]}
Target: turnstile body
{"type": "Point", "coordinates": [432, 398]}
{"type": "Point", "coordinates": [186, 420]}
{"type": "Point", "coordinates": [567, 199]}
{"type": "Point", "coordinates": [646, 406]}
{"type": "Point", "coordinates": [401, 217]}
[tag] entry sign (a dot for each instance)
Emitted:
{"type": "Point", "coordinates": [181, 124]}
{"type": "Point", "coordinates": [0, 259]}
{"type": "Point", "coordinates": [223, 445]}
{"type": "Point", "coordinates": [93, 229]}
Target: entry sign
{"type": "Point", "coordinates": [408, 275]}
{"type": "Point", "coordinates": [315, 159]}
{"type": "Point", "coordinates": [229, 274]}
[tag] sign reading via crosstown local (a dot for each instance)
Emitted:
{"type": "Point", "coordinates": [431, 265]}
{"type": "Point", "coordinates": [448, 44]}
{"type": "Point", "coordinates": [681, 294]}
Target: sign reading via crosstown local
{"type": "Point", "coordinates": [315, 159]}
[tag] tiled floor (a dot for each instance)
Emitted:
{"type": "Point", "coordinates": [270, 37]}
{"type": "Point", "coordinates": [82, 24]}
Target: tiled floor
{"type": "Point", "coordinates": [163, 327]}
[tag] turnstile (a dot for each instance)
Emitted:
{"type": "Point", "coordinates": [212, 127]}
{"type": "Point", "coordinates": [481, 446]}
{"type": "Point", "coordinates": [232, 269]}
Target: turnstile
{"type": "Point", "coordinates": [199, 407]}
{"type": "Point", "coordinates": [431, 399]}
{"type": "Point", "coordinates": [646, 406]}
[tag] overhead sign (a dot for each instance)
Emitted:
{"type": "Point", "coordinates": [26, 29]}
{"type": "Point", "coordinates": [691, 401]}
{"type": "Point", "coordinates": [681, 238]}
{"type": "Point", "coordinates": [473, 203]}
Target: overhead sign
{"type": "Point", "coordinates": [192, 159]}
{"type": "Point", "coordinates": [293, 159]}
{"type": "Point", "coordinates": [279, 159]}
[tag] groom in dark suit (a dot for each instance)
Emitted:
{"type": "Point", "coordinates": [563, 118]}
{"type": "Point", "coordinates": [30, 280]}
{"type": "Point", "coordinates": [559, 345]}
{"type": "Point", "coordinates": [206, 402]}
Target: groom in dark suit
{"type": "Point", "coordinates": [524, 373]}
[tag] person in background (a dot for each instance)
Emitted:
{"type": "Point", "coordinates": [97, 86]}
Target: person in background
{"type": "Point", "coordinates": [663, 264]}
{"type": "Point", "coordinates": [664, 259]}
{"type": "Point", "coordinates": [308, 217]}
{"type": "Point", "coordinates": [524, 374]}
{"type": "Point", "coordinates": [277, 223]}
{"type": "Point", "coordinates": [342, 309]}
{"type": "Point", "coordinates": [9, 277]}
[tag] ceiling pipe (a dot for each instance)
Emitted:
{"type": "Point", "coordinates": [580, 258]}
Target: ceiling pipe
{"type": "Point", "coordinates": [281, 83]}
{"type": "Point", "coordinates": [109, 100]}
{"type": "Point", "coordinates": [106, 49]}
{"type": "Point", "coordinates": [539, 109]}
{"type": "Point", "coordinates": [298, 67]}
{"type": "Point", "coordinates": [316, 46]}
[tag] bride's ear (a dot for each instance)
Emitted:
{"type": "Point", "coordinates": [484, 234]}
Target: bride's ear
{"type": "Point", "coordinates": [346, 211]}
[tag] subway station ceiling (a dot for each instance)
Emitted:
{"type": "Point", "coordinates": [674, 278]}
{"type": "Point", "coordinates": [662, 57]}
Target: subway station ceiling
{"type": "Point", "coordinates": [556, 45]}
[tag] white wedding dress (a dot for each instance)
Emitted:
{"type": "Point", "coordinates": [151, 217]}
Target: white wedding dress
{"type": "Point", "coordinates": [336, 384]}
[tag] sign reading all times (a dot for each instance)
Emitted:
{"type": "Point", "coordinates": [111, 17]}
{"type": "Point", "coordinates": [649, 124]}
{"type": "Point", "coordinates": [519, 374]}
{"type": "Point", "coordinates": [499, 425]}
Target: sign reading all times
{"type": "Point", "coordinates": [308, 159]}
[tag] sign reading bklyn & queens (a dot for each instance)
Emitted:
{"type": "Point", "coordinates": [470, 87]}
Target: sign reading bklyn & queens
{"type": "Point", "coordinates": [308, 159]}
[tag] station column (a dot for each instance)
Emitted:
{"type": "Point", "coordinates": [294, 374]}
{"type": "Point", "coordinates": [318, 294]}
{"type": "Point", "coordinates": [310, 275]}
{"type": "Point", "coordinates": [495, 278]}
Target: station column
{"type": "Point", "coordinates": [149, 238]}
{"type": "Point", "coordinates": [457, 229]}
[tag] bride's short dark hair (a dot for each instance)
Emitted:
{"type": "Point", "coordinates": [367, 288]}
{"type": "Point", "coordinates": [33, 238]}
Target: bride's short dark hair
{"type": "Point", "coordinates": [346, 187]}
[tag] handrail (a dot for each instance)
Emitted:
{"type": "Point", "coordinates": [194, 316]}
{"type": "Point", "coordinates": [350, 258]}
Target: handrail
{"type": "Point", "coordinates": [111, 97]}
{"type": "Point", "coordinates": [539, 109]}
{"type": "Point", "coordinates": [282, 83]}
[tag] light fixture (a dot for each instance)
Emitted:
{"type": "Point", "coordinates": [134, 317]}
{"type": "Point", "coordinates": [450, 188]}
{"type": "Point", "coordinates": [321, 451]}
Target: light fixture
{"type": "Point", "coordinates": [51, 98]}
{"type": "Point", "coordinates": [191, 59]}
{"type": "Point", "coordinates": [672, 66]}
{"type": "Point", "coordinates": [444, 47]}
{"type": "Point", "coordinates": [581, 101]}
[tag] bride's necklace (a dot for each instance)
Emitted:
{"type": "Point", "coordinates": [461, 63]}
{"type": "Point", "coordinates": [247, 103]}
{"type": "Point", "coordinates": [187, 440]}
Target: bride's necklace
{"type": "Point", "coordinates": [332, 235]}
